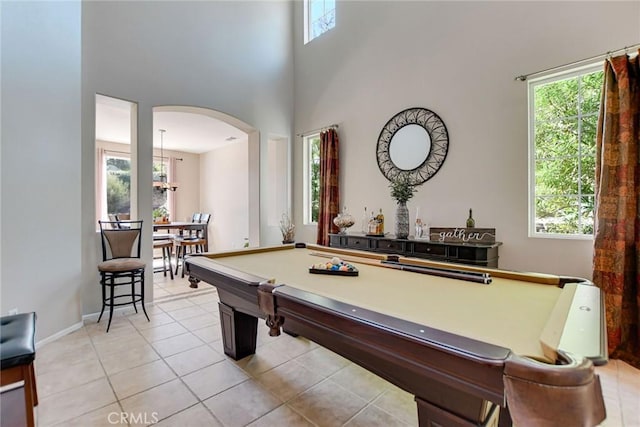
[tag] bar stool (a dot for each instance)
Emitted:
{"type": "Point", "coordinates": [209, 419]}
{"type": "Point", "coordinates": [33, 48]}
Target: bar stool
{"type": "Point", "coordinates": [121, 264]}
{"type": "Point", "coordinates": [17, 353]}
{"type": "Point", "coordinates": [166, 246]}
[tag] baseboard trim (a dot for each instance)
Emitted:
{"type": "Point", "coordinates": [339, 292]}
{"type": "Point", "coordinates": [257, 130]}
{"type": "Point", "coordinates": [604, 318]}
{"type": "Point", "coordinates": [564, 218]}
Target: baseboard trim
{"type": "Point", "coordinates": [60, 334]}
{"type": "Point", "coordinates": [116, 311]}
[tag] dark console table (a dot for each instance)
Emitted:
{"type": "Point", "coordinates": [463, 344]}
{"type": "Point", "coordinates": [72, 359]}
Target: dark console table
{"type": "Point", "coordinates": [481, 254]}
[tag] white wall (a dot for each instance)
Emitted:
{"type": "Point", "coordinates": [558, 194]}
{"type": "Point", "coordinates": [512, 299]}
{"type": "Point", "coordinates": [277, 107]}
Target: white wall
{"type": "Point", "coordinates": [277, 185]}
{"type": "Point", "coordinates": [458, 59]}
{"type": "Point", "coordinates": [224, 193]}
{"type": "Point", "coordinates": [233, 57]}
{"type": "Point", "coordinates": [188, 179]}
{"type": "Point", "coordinates": [40, 169]}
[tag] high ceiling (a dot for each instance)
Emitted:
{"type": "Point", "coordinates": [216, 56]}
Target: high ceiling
{"type": "Point", "coordinates": [188, 132]}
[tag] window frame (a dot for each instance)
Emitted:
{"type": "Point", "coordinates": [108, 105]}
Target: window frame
{"type": "Point", "coordinates": [308, 26]}
{"type": "Point", "coordinates": [307, 169]}
{"type": "Point", "coordinates": [531, 119]}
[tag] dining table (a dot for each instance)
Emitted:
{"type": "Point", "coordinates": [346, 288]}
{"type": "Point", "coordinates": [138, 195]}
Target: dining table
{"type": "Point", "coordinates": [182, 226]}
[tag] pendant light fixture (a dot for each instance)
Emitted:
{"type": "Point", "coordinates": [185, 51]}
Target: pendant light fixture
{"type": "Point", "coordinates": [163, 184]}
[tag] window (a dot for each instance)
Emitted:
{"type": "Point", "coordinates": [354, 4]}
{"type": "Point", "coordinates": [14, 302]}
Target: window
{"type": "Point", "coordinates": [312, 178]}
{"type": "Point", "coordinates": [118, 179]}
{"type": "Point", "coordinates": [320, 17]}
{"type": "Point", "coordinates": [159, 200]}
{"type": "Point", "coordinates": [563, 117]}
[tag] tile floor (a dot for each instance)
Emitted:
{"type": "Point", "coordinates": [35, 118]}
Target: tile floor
{"type": "Point", "coordinates": [172, 371]}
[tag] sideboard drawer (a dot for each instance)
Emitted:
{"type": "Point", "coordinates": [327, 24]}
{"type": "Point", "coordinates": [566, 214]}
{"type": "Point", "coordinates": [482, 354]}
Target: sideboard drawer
{"type": "Point", "coordinates": [336, 240]}
{"type": "Point", "coordinates": [354, 242]}
{"type": "Point", "coordinates": [427, 249]}
{"type": "Point", "coordinates": [388, 245]}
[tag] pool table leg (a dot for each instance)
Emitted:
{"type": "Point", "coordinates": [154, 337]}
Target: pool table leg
{"type": "Point", "coordinates": [505, 418]}
{"type": "Point", "coordinates": [239, 331]}
{"type": "Point", "coordinates": [467, 414]}
{"type": "Point", "coordinates": [193, 282]}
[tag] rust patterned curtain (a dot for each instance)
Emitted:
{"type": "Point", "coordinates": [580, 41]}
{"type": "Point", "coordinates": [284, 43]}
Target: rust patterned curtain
{"type": "Point", "coordinates": [329, 190]}
{"type": "Point", "coordinates": [616, 266]}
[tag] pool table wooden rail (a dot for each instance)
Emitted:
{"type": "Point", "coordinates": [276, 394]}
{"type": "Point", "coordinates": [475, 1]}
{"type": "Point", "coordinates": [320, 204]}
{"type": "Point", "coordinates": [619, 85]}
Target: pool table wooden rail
{"type": "Point", "coordinates": [456, 381]}
{"type": "Point", "coordinates": [457, 373]}
{"type": "Point", "coordinates": [453, 378]}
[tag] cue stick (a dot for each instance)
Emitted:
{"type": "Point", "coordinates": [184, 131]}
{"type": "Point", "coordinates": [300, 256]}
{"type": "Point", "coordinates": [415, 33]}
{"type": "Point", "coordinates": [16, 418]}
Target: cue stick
{"type": "Point", "coordinates": [470, 276]}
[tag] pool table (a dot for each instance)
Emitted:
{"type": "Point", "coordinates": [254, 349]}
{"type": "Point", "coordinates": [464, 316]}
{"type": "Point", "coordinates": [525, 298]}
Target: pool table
{"type": "Point", "coordinates": [519, 349]}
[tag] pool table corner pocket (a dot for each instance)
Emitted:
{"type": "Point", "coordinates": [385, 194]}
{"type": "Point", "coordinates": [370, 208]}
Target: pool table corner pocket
{"type": "Point", "coordinates": [544, 394]}
{"type": "Point", "coordinates": [267, 305]}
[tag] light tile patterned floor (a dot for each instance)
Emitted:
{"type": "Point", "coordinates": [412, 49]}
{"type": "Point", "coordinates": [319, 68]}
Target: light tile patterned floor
{"type": "Point", "coordinates": [172, 371]}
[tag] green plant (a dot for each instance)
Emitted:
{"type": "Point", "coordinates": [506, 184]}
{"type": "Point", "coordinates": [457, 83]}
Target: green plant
{"type": "Point", "coordinates": [160, 212]}
{"type": "Point", "coordinates": [402, 189]}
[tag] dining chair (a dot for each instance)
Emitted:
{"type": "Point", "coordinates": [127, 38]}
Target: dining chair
{"type": "Point", "coordinates": [191, 243]}
{"type": "Point", "coordinates": [166, 247]}
{"type": "Point", "coordinates": [121, 265]}
{"type": "Point", "coordinates": [183, 246]}
{"type": "Point", "coordinates": [205, 217]}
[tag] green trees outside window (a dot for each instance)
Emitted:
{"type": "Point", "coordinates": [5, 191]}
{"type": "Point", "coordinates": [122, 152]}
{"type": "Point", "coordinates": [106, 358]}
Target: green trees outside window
{"type": "Point", "coordinates": [314, 177]}
{"type": "Point", "coordinates": [565, 117]}
{"type": "Point", "coordinates": [159, 196]}
{"type": "Point", "coordinates": [118, 185]}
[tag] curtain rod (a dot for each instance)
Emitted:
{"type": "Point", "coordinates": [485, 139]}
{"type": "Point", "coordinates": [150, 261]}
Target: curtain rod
{"type": "Point", "coordinates": [126, 152]}
{"type": "Point", "coordinates": [524, 77]}
{"type": "Point", "coordinates": [309, 132]}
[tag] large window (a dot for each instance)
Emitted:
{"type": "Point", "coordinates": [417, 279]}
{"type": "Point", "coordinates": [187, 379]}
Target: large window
{"type": "Point", "coordinates": [563, 114]}
{"type": "Point", "coordinates": [312, 178]}
{"type": "Point", "coordinates": [320, 17]}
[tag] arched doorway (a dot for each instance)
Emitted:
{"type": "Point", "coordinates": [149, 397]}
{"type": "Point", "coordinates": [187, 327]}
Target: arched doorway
{"type": "Point", "coordinates": [213, 160]}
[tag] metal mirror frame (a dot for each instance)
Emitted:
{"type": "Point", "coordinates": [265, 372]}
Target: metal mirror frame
{"type": "Point", "coordinates": [436, 129]}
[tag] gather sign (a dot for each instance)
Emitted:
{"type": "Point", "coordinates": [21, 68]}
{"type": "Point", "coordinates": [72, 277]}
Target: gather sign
{"type": "Point", "coordinates": [462, 235]}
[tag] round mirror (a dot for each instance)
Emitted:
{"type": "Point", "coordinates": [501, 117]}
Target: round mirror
{"type": "Point", "coordinates": [413, 143]}
{"type": "Point", "coordinates": [409, 147]}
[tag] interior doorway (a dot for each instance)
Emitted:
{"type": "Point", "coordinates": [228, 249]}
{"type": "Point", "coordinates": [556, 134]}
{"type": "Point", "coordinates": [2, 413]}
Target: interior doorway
{"type": "Point", "coordinates": [205, 164]}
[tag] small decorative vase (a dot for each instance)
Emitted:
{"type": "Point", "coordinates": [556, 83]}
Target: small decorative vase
{"type": "Point", "coordinates": [402, 221]}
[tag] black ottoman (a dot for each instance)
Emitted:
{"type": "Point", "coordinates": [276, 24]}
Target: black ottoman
{"type": "Point", "coordinates": [17, 353]}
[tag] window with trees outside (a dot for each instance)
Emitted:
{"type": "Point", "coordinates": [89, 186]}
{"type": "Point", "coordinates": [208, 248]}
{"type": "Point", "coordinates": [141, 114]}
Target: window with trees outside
{"type": "Point", "coordinates": [312, 178]}
{"type": "Point", "coordinates": [563, 115]}
{"type": "Point", "coordinates": [159, 199]}
{"type": "Point", "coordinates": [320, 17]}
{"type": "Point", "coordinates": [118, 175]}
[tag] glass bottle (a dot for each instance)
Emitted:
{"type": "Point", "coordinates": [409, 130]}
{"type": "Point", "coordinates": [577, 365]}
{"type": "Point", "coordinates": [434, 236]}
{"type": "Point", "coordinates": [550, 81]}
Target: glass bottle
{"type": "Point", "coordinates": [365, 222]}
{"type": "Point", "coordinates": [418, 224]}
{"type": "Point", "coordinates": [380, 219]}
{"type": "Point", "coordinates": [373, 224]}
{"type": "Point", "coordinates": [470, 221]}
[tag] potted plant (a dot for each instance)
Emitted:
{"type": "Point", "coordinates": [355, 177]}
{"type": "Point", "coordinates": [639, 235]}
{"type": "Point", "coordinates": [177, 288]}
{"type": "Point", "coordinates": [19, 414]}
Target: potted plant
{"type": "Point", "coordinates": [402, 189]}
{"type": "Point", "coordinates": [160, 215]}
